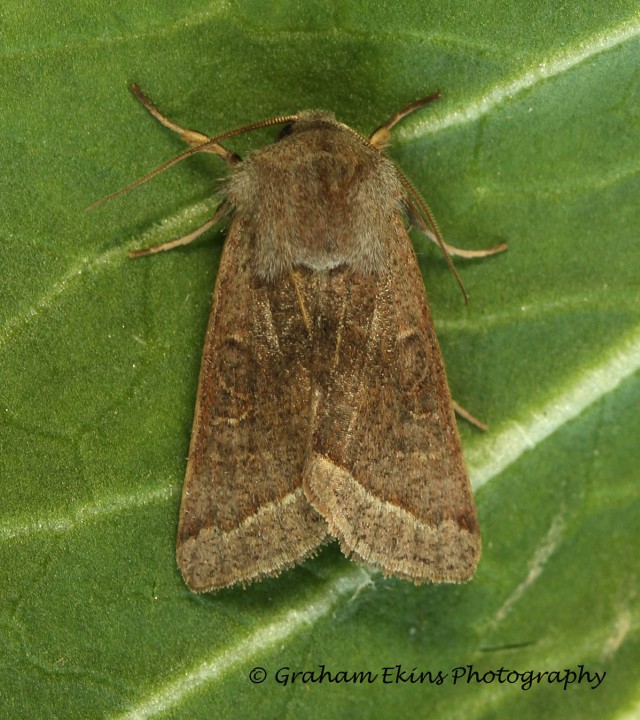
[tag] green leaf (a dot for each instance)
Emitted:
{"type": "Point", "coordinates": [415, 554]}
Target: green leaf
{"type": "Point", "coordinates": [536, 142]}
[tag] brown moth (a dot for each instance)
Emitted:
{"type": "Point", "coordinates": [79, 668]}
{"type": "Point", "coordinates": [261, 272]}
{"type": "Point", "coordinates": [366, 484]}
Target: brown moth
{"type": "Point", "coordinates": [323, 409]}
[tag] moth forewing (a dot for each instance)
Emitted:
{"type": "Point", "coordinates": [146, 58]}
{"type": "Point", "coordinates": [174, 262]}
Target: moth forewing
{"type": "Point", "coordinates": [244, 513]}
{"type": "Point", "coordinates": [386, 469]}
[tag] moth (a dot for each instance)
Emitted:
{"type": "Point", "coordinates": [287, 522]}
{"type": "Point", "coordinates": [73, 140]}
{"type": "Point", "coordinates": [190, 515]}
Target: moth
{"type": "Point", "coordinates": [323, 409]}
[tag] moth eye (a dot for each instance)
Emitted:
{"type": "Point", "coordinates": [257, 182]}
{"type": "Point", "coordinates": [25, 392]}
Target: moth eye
{"type": "Point", "coordinates": [286, 130]}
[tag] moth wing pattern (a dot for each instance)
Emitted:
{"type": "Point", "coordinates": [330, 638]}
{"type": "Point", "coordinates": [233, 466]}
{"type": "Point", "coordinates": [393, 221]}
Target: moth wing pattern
{"type": "Point", "coordinates": [385, 466]}
{"type": "Point", "coordinates": [244, 513]}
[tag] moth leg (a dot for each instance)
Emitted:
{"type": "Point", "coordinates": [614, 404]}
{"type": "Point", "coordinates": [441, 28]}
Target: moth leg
{"type": "Point", "coordinates": [191, 137]}
{"type": "Point", "coordinates": [418, 221]}
{"type": "Point", "coordinates": [380, 136]}
{"type": "Point", "coordinates": [185, 239]}
{"type": "Point", "coordinates": [469, 417]}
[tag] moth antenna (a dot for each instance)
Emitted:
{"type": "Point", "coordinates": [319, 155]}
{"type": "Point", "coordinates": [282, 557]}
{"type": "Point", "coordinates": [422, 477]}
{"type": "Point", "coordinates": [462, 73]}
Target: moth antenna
{"type": "Point", "coordinates": [152, 174]}
{"type": "Point", "coordinates": [280, 120]}
{"type": "Point", "coordinates": [423, 209]}
{"type": "Point", "coordinates": [210, 145]}
{"type": "Point", "coordinates": [195, 138]}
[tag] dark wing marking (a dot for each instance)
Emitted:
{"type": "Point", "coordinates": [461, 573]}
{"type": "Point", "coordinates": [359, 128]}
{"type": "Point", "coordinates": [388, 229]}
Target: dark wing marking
{"type": "Point", "coordinates": [244, 513]}
{"type": "Point", "coordinates": [385, 467]}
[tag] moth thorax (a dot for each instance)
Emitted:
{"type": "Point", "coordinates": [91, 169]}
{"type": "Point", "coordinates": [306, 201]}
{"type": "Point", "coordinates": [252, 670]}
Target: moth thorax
{"type": "Point", "coordinates": [319, 198]}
